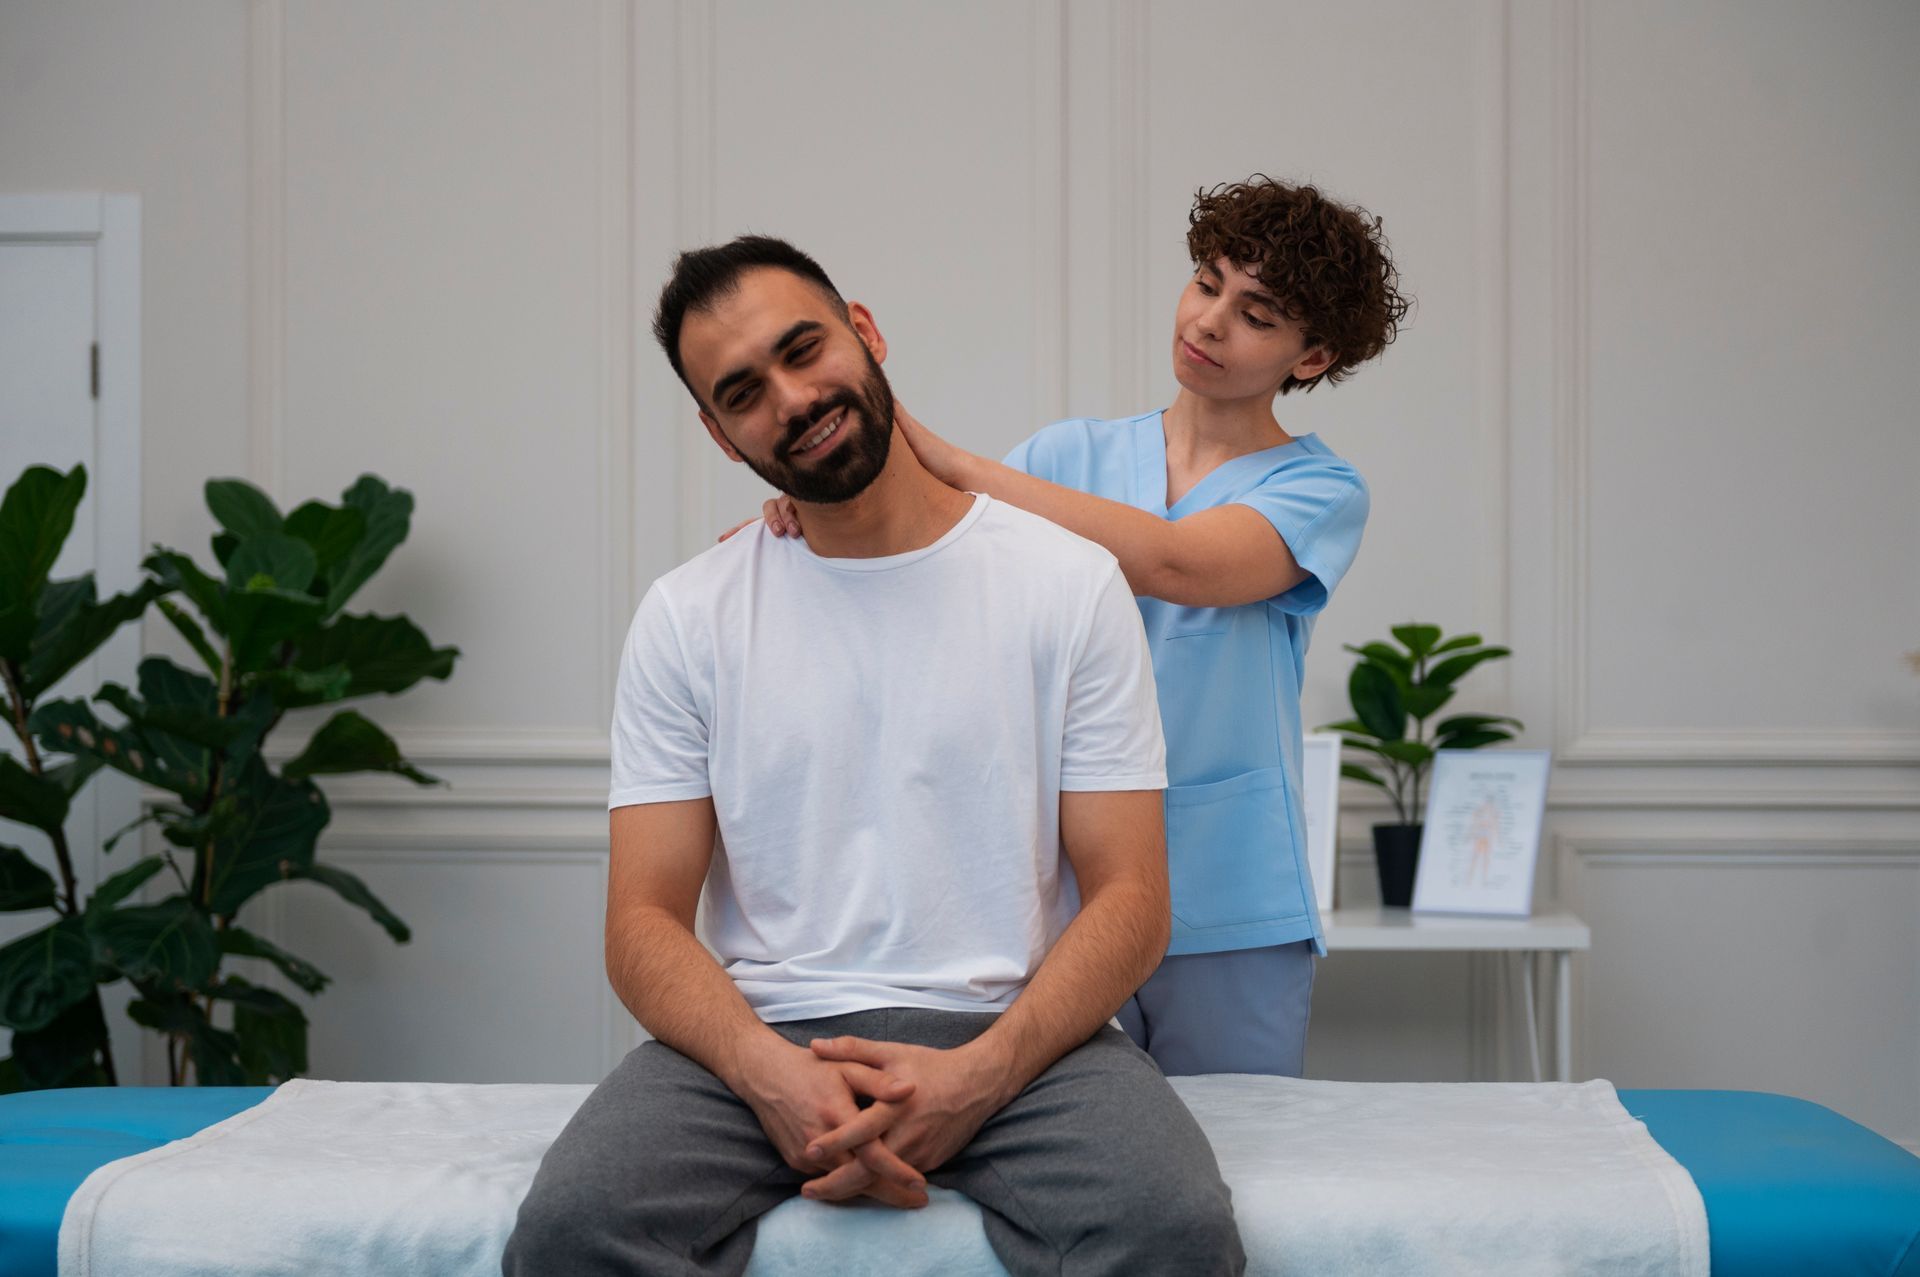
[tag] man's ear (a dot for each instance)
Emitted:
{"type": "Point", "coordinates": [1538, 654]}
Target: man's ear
{"type": "Point", "coordinates": [860, 319]}
{"type": "Point", "coordinates": [713, 429]}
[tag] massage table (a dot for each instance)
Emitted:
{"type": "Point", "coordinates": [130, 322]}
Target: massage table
{"type": "Point", "coordinates": [1788, 1187]}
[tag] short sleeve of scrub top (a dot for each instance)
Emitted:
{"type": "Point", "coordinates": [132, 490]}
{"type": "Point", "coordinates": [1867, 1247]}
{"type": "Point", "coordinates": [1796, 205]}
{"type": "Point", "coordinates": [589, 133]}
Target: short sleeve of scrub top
{"type": "Point", "coordinates": [1229, 678]}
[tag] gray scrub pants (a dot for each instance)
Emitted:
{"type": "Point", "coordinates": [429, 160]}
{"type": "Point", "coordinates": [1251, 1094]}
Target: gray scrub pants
{"type": "Point", "coordinates": [1097, 1167]}
{"type": "Point", "coordinates": [1242, 1011]}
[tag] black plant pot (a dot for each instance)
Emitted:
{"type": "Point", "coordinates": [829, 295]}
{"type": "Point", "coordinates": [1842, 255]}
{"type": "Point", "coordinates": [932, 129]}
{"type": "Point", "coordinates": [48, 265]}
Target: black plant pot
{"type": "Point", "coordinates": [1396, 849]}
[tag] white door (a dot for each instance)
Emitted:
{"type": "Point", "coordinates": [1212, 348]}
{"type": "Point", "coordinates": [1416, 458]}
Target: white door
{"type": "Point", "coordinates": [54, 259]}
{"type": "Point", "coordinates": [46, 418]}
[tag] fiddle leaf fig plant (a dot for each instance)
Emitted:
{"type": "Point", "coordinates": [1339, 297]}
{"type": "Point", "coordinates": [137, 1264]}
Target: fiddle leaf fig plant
{"type": "Point", "coordinates": [1398, 686]}
{"type": "Point", "coordinates": [269, 629]}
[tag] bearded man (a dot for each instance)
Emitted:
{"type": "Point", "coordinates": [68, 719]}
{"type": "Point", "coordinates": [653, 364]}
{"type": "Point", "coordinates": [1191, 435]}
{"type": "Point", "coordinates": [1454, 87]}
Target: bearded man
{"type": "Point", "coordinates": [914, 759]}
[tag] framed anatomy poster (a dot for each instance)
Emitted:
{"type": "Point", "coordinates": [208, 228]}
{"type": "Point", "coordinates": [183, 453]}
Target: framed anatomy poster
{"type": "Point", "coordinates": [1320, 794]}
{"type": "Point", "coordinates": [1482, 836]}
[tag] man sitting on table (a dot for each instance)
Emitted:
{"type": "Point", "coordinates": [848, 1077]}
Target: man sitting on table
{"type": "Point", "coordinates": [927, 739]}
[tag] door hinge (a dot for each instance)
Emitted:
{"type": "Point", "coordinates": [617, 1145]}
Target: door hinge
{"type": "Point", "coordinates": [95, 374]}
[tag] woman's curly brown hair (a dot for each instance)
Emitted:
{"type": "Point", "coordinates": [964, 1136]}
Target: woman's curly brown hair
{"type": "Point", "coordinates": [1326, 262]}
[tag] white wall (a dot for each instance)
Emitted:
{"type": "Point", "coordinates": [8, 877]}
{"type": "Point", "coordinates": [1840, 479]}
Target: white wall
{"type": "Point", "coordinates": [1650, 424]}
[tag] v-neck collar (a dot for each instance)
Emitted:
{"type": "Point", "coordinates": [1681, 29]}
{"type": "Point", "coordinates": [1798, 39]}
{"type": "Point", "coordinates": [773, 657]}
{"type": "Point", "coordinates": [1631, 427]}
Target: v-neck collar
{"type": "Point", "coordinates": [1150, 455]}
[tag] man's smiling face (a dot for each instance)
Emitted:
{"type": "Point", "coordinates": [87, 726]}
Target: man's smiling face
{"type": "Point", "coordinates": [791, 384]}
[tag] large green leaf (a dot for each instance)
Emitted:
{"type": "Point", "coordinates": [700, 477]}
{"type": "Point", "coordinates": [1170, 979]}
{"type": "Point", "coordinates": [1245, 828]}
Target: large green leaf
{"type": "Point", "coordinates": [69, 635]}
{"type": "Point", "coordinates": [35, 517]}
{"type": "Point", "coordinates": [72, 727]}
{"type": "Point", "coordinates": [1384, 655]}
{"type": "Point", "coordinates": [256, 713]}
{"type": "Point", "coordinates": [273, 1048]}
{"type": "Point", "coordinates": [23, 884]}
{"type": "Point", "coordinates": [35, 801]}
{"type": "Point", "coordinates": [178, 572]}
{"type": "Point", "coordinates": [1368, 746]}
{"type": "Point", "coordinates": [388, 512]}
{"type": "Point", "coordinates": [1419, 639]}
{"type": "Point", "coordinates": [183, 735]}
{"type": "Point", "coordinates": [355, 892]}
{"type": "Point", "coordinates": [244, 993]}
{"type": "Point", "coordinates": [123, 884]}
{"type": "Point", "coordinates": [1376, 700]}
{"type": "Point", "coordinates": [168, 946]}
{"type": "Point", "coordinates": [165, 685]}
{"type": "Point", "coordinates": [65, 1052]}
{"type": "Point", "coordinates": [383, 653]}
{"type": "Point", "coordinates": [1426, 700]}
{"type": "Point", "coordinates": [261, 618]}
{"type": "Point", "coordinates": [350, 742]}
{"type": "Point", "coordinates": [1353, 771]}
{"type": "Point", "coordinates": [1449, 671]}
{"type": "Point", "coordinates": [1455, 644]}
{"type": "Point", "coordinates": [241, 508]}
{"type": "Point", "coordinates": [61, 601]}
{"type": "Point", "coordinates": [293, 688]}
{"type": "Point", "coordinates": [278, 822]}
{"type": "Point", "coordinates": [1474, 723]}
{"type": "Point", "coordinates": [1473, 740]}
{"type": "Point", "coordinates": [215, 1052]}
{"type": "Point", "coordinates": [191, 631]}
{"type": "Point", "coordinates": [242, 943]}
{"type": "Point", "coordinates": [1410, 752]}
{"type": "Point", "coordinates": [192, 830]}
{"type": "Point", "coordinates": [271, 1028]}
{"type": "Point", "coordinates": [44, 973]}
{"type": "Point", "coordinates": [272, 561]}
{"type": "Point", "coordinates": [332, 531]}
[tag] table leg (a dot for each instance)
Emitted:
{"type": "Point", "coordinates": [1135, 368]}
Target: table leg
{"type": "Point", "coordinates": [1527, 995]}
{"type": "Point", "coordinates": [1563, 1014]}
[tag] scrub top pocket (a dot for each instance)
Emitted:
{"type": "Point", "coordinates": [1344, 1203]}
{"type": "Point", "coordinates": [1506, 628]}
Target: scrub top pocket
{"type": "Point", "coordinates": [1230, 855]}
{"type": "Point", "coordinates": [1175, 622]}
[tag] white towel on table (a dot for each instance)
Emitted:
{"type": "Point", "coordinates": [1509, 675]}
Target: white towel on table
{"type": "Point", "coordinates": [424, 1179]}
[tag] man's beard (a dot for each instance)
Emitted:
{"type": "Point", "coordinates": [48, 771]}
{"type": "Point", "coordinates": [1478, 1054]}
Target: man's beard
{"type": "Point", "coordinates": [854, 463]}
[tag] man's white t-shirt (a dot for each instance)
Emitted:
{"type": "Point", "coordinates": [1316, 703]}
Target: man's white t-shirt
{"type": "Point", "coordinates": [885, 741]}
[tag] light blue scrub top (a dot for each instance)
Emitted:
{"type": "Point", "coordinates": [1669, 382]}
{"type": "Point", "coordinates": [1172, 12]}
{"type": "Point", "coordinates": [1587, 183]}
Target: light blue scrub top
{"type": "Point", "coordinates": [1229, 677]}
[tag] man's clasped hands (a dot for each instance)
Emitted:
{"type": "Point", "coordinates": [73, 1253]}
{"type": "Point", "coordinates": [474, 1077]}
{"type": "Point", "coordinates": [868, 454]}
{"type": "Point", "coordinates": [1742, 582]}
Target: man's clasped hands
{"type": "Point", "coordinates": [922, 1106]}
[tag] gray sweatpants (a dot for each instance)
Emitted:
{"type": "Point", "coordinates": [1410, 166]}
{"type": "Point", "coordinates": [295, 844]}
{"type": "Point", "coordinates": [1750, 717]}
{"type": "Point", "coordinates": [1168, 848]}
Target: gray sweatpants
{"type": "Point", "coordinates": [1097, 1167]}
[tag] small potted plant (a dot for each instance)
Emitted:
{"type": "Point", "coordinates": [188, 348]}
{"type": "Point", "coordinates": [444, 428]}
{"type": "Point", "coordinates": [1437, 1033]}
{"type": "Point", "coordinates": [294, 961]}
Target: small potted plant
{"type": "Point", "coordinates": [1391, 685]}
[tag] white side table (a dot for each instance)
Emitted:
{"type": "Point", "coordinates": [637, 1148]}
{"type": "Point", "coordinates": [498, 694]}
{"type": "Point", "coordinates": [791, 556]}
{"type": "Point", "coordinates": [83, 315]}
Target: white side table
{"type": "Point", "coordinates": [1553, 931]}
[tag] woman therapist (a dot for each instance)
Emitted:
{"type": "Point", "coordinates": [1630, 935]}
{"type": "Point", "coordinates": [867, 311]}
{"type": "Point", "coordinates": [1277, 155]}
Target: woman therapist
{"type": "Point", "coordinates": [1233, 533]}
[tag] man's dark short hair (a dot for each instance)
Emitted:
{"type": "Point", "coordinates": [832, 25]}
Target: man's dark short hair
{"type": "Point", "coordinates": [705, 275]}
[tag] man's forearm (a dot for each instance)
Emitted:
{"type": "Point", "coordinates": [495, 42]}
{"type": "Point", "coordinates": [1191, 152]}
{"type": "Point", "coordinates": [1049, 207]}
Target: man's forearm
{"type": "Point", "coordinates": [1106, 953]}
{"type": "Point", "coordinates": [679, 993]}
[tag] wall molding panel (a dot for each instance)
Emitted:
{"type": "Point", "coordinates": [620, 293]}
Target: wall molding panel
{"type": "Point", "coordinates": [1742, 910]}
{"type": "Point", "coordinates": [1579, 743]}
{"type": "Point", "coordinates": [617, 1031]}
